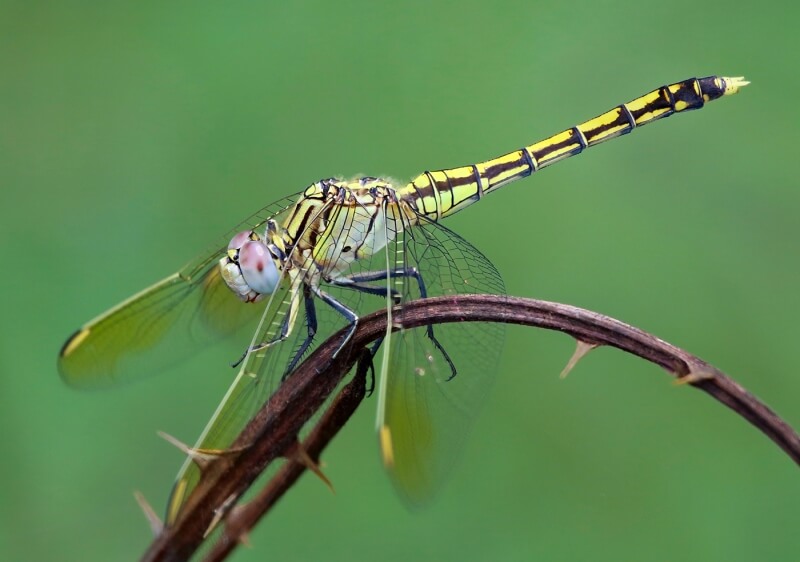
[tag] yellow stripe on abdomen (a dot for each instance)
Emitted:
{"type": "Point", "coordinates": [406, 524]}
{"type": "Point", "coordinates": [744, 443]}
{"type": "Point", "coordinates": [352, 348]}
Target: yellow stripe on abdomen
{"type": "Point", "coordinates": [444, 192]}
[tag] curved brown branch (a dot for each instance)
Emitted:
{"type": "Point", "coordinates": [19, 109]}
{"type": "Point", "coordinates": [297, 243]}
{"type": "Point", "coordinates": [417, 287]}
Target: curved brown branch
{"type": "Point", "coordinates": [273, 430]}
{"type": "Point", "coordinates": [243, 518]}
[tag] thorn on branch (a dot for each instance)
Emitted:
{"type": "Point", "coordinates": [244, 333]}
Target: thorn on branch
{"type": "Point", "coordinates": [275, 427]}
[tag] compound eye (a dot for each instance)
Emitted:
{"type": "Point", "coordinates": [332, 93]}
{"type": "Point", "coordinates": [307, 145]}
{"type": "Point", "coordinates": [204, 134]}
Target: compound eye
{"type": "Point", "coordinates": [238, 240]}
{"type": "Point", "coordinates": [258, 268]}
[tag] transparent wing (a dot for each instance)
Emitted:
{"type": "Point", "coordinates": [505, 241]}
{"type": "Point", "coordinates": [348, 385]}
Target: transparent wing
{"type": "Point", "coordinates": [166, 322]}
{"type": "Point", "coordinates": [436, 378]}
{"type": "Point", "coordinates": [255, 381]}
{"type": "Point", "coordinates": [260, 374]}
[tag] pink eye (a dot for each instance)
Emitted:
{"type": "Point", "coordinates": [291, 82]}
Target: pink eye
{"type": "Point", "coordinates": [238, 240]}
{"type": "Point", "coordinates": [258, 267]}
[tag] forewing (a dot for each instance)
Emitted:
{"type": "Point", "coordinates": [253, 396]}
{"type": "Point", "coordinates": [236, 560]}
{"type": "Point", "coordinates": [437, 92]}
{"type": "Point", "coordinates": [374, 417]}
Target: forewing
{"type": "Point", "coordinates": [435, 387]}
{"type": "Point", "coordinates": [260, 374]}
{"type": "Point", "coordinates": [256, 380]}
{"type": "Point", "coordinates": [167, 322]}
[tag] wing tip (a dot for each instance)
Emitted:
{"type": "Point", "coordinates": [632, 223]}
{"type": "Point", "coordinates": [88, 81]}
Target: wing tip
{"type": "Point", "coordinates": [72, 343]}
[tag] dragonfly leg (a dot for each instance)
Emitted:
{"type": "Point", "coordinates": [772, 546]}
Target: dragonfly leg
{"type": "Point", "coordinates": [372, 352]}
{"type": "Point", "coordinates": [351, 316]}
{"type": "Point", "coordinates": [357, 282]}
{"type": "Point", "coordinates": [311, 325]}
{"type": "Point", "coordinates": [283, 334]}
{"type": "Point", "coordinates": [360, 282]}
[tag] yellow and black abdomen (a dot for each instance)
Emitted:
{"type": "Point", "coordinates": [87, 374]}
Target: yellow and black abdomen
{"type": "Point", "coordinates": [441, 193]}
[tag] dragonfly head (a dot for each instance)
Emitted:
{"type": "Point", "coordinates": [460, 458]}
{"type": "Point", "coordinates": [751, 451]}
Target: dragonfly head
{"type": "Point", "coordinates": [251, 267]}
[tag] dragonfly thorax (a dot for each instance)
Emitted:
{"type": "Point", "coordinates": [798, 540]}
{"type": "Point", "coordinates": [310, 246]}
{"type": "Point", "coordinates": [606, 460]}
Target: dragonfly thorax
{"type": "Point", "coordinates": [337, 223]}
{"type": "Point", "coordinates": [251, 267]}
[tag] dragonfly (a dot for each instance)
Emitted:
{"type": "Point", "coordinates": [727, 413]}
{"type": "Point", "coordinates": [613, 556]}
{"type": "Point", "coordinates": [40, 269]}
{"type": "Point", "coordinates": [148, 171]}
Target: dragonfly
{"type": "Point", "coordinates": [311, 263]}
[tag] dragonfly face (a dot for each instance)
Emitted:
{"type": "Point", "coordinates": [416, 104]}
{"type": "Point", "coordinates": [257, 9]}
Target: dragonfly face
{"type": "Point", "coordinates": [251, 268]}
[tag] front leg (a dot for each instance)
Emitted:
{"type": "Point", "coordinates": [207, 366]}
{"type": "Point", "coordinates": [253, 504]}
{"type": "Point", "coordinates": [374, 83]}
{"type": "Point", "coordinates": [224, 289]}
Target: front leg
{"type": "Point", "coordinates": [286, 326]}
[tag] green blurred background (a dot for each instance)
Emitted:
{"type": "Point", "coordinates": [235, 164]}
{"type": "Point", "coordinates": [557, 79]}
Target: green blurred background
{"type": "Point", "coordinates": [131, 134]}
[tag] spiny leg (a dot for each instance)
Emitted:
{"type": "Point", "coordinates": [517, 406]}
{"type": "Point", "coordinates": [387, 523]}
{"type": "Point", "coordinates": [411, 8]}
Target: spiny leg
{"type": "Point", "coordinates": [350, 316]}
{"type": "Point", "coordinates": [311, 325]}
{"type": "Point", "coordinates": [356, 282]}
{"type": "Point", "coordinates": [373, 351]}
{"type": "Point", "coordinates": [283, 334]}
{"type": "Point", "coordinates": [348, 283]}
{"type": "Point", "coordinates": [366, 363]}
